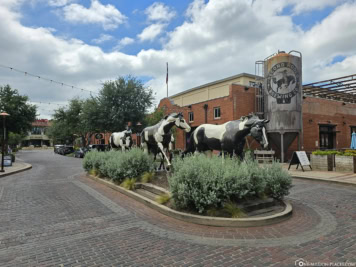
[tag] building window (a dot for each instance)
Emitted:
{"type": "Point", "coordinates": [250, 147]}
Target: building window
{"type": "Point", "coordinates": [252, 84]}
{"type": "Point", "coordinates": [36, 130]}
{"type": "Point", "coordinates": [191, 116]}
{"type": "Point", "coordinates": [327, 136]}
{"type": "Point", "coordinates": [217, 113]}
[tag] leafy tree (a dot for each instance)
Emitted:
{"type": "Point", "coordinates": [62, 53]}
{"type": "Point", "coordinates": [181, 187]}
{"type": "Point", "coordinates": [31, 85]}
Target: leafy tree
{"type": "Point", "coordinates": [15, 139]}
{"type": "Point", "coordinates": [121, 101]}
{"type": "Point", "coordinates": [154, 117]}
{"type": "Point", "coordinates": [67, 124]}
{"type": "Point", "coordinates": [59, 132]}
{"type": "Point", "coordinates": [22, 114]}
{"type": "Point", "coordinates": [90, 119]}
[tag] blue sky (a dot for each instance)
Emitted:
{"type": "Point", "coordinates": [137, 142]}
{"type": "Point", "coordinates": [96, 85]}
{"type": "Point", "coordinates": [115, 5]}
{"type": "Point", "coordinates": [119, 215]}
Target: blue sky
{"type": "Point", "coordinates": [307, 20]}
{"type": "Point", "coordinates": [87, 42]}
{"type": "Point", "coordinates": [41, 15]}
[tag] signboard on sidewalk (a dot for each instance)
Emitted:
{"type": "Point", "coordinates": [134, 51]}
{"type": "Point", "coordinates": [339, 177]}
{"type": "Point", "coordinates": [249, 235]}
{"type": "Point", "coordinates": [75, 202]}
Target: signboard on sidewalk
{"type": "Point", "coordinates": [299, 158]}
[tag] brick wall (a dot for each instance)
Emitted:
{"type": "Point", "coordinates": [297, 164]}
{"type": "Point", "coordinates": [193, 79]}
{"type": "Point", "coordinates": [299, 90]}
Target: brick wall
{"type": "Point", "coordinates": [241, 101]}
{"type": "Point", "coordinates": [317, 111]}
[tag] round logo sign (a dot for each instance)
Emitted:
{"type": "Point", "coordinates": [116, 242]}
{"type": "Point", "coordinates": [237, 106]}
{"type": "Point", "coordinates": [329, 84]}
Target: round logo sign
{"type": "Point", "coordinates": [283, 82]}
{"type": "Point", "coordinates": [99, 136]}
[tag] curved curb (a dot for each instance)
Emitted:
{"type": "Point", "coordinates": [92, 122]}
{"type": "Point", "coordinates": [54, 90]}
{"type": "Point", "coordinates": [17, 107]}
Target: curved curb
{"type": "Point", "coordinates": [27, 167]}
{"type": "Point", "coordinates": [333, 181]}
{"type": "Point", "coordinates": [203, 220]}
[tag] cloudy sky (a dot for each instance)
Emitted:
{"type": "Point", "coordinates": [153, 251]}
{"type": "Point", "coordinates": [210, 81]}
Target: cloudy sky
{"type": "Point", "coordinates": [86, 42]}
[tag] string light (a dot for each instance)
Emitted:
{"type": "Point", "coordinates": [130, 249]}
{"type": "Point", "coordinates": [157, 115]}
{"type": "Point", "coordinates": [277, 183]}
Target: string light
{"type": "Point", "coordinates": [46, 79]}
{"type": "Point", "coordinates": [47, 103]}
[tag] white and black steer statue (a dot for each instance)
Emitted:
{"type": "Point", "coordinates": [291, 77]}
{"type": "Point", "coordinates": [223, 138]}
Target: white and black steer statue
{"type": "Point", "coordinates": [158, 138]}
{"type": "Point", "coordinates": [229, 137]}
{"type": "Point", "coordinates": [121, 140]}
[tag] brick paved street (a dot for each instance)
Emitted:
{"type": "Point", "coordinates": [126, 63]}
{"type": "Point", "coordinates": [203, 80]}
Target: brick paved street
{"type": "Point", "coordinates": [52, 215]}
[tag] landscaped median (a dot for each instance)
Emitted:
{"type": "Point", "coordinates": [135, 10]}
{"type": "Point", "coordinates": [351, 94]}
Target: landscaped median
{"type": "Point", "coordinates": [209, 191]}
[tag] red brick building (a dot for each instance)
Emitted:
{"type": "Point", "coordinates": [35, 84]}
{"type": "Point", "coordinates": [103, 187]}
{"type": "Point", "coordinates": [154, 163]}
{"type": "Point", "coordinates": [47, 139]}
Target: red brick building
{"type": "Point", "coordinates": [327, 121]}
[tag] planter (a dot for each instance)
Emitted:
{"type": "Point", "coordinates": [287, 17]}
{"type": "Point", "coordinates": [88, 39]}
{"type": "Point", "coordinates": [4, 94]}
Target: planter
{"type": "Point", "coordinates": [319, 162]}
{"type": "Point", "coordinates": [198, 219]}
{"type": "Point", "coordinates": [344, 163]}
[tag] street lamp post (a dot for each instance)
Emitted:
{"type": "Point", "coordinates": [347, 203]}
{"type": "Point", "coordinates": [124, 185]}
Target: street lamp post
{"type": "Point", "coordinates": [3, 115]}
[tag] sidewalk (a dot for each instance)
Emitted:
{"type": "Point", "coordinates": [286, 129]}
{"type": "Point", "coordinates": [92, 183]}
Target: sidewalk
{"type": "Point", "coordinates": [326, 176]}
{"type": "Point", "coordinates": [17, 166]}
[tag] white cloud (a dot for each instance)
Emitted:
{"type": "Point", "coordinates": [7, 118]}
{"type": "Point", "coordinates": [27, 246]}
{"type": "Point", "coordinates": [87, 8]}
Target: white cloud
{"type": "Point", "coordinates": [58, 3]}
{"type": "Point", "coordinates": [151, 32]}
{"type": "Point", "coordinates": [220, 38]}
{"type": "Point", "coordinates": [106, 15]}
{"type": "Point", "coordinates": [301, 6]}
{"type": "Point", "coordinates": [126, 41]}
{"type": "Point", "coordinates": [159, 12]}
{"type": "Point", "coordinates": [123, 42]}
{"type": "Point", "coordinates": [102, 39]}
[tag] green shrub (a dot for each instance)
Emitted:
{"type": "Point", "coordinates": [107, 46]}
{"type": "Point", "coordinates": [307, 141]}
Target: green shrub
{"type": "Point", "coordinates": [118, 165]}
{"type": "Point", "coordinates": [278, 181]}
{"type": "Point", "coordinates": [347, 152]}
{"type": "Point", "coordinates": [233, 210]}
{"type": "Point", "coordinates": [350, 152]}
{"type": "Point", "coordinates": [164, 198]}
{"type": "Point", "coordinates": [94, 172]}
{"type": "Point", "coordinates": [147, 177]}
{"type": "Point", "coordinates": [326, 152]}
{"type": "Point", "coordinates": [201, 183]}
{"type": "Point", "coordinates": [129, 183]}
{"type": "Point", "coordinates": [90, 160]}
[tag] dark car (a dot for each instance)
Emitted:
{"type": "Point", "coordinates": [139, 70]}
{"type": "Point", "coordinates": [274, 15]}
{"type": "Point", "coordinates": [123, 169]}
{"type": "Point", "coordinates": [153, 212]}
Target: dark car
{"type": "Point", "coordinates": [80, 153]}
{"type": "Point", "coordinates": [57, 148]}
{"type": "Point", "coordinates": [65, 150]}
{"type": "Point", "coordinates": [98, 147]}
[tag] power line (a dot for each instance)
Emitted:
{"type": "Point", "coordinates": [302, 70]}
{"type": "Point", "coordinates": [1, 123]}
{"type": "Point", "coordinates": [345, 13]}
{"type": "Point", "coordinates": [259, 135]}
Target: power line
{"type": "Point", "coordinates": [47, 103]}
{"type": "Point", "coordinates": [46, 79]}
{"type": "Point", "coordinates": [43, 109]}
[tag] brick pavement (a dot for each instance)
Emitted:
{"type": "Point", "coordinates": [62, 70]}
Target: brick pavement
{"type": "Point", "coordinates": [52, 215]}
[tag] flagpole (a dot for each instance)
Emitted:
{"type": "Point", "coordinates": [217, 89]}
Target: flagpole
{"type": "Point", "coordinates": [167, 79]}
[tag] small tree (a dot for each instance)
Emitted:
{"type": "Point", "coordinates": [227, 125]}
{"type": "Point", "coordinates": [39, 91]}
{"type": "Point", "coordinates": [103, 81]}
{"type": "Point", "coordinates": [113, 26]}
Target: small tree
{"type": "Point", "coordinates": [121, 101]}
{"type": "Point", "coordinates": [22, 114]}
{"type": "Point", "coordinates": [154, 117]}
{"type": "Point", "coordinates": [67, 124]}
{"type": "Point", "coordinates": [15, 139]}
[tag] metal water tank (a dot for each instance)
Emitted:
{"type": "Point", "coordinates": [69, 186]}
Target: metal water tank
{"type": "Point", "coordinates": [283, 98]}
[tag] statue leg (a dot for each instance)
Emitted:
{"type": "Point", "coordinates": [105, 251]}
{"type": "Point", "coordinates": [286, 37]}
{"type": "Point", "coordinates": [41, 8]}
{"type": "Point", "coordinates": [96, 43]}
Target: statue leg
{"type": "Point", "coordinates": [145, 148]}
{"type": "Point", "coordinates": [160, 145]}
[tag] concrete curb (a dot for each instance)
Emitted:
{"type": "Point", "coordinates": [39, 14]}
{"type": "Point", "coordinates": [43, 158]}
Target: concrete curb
{"type": "Point", "coordinates": [26, 167]}
{"type": "Point", "coordinates": [324, 180]}
{"type": "Point", "coordinates": [203, 220]}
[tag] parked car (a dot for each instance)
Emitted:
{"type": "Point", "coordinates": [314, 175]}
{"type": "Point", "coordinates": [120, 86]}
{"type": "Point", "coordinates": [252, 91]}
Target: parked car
{"type": "Point", "coordinates": [57, 147]}
{"type": "Point", "coordinates": [65, 150]}
{"type": "Point", "coordinates": [98, 147]}
{"type": "Point", "coordinates": [80, 153]}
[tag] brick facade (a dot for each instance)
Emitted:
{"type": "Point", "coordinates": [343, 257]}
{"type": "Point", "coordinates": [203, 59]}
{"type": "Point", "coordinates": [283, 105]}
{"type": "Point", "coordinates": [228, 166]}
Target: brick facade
{"type": "Point", "coordinates": [241, 101]}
